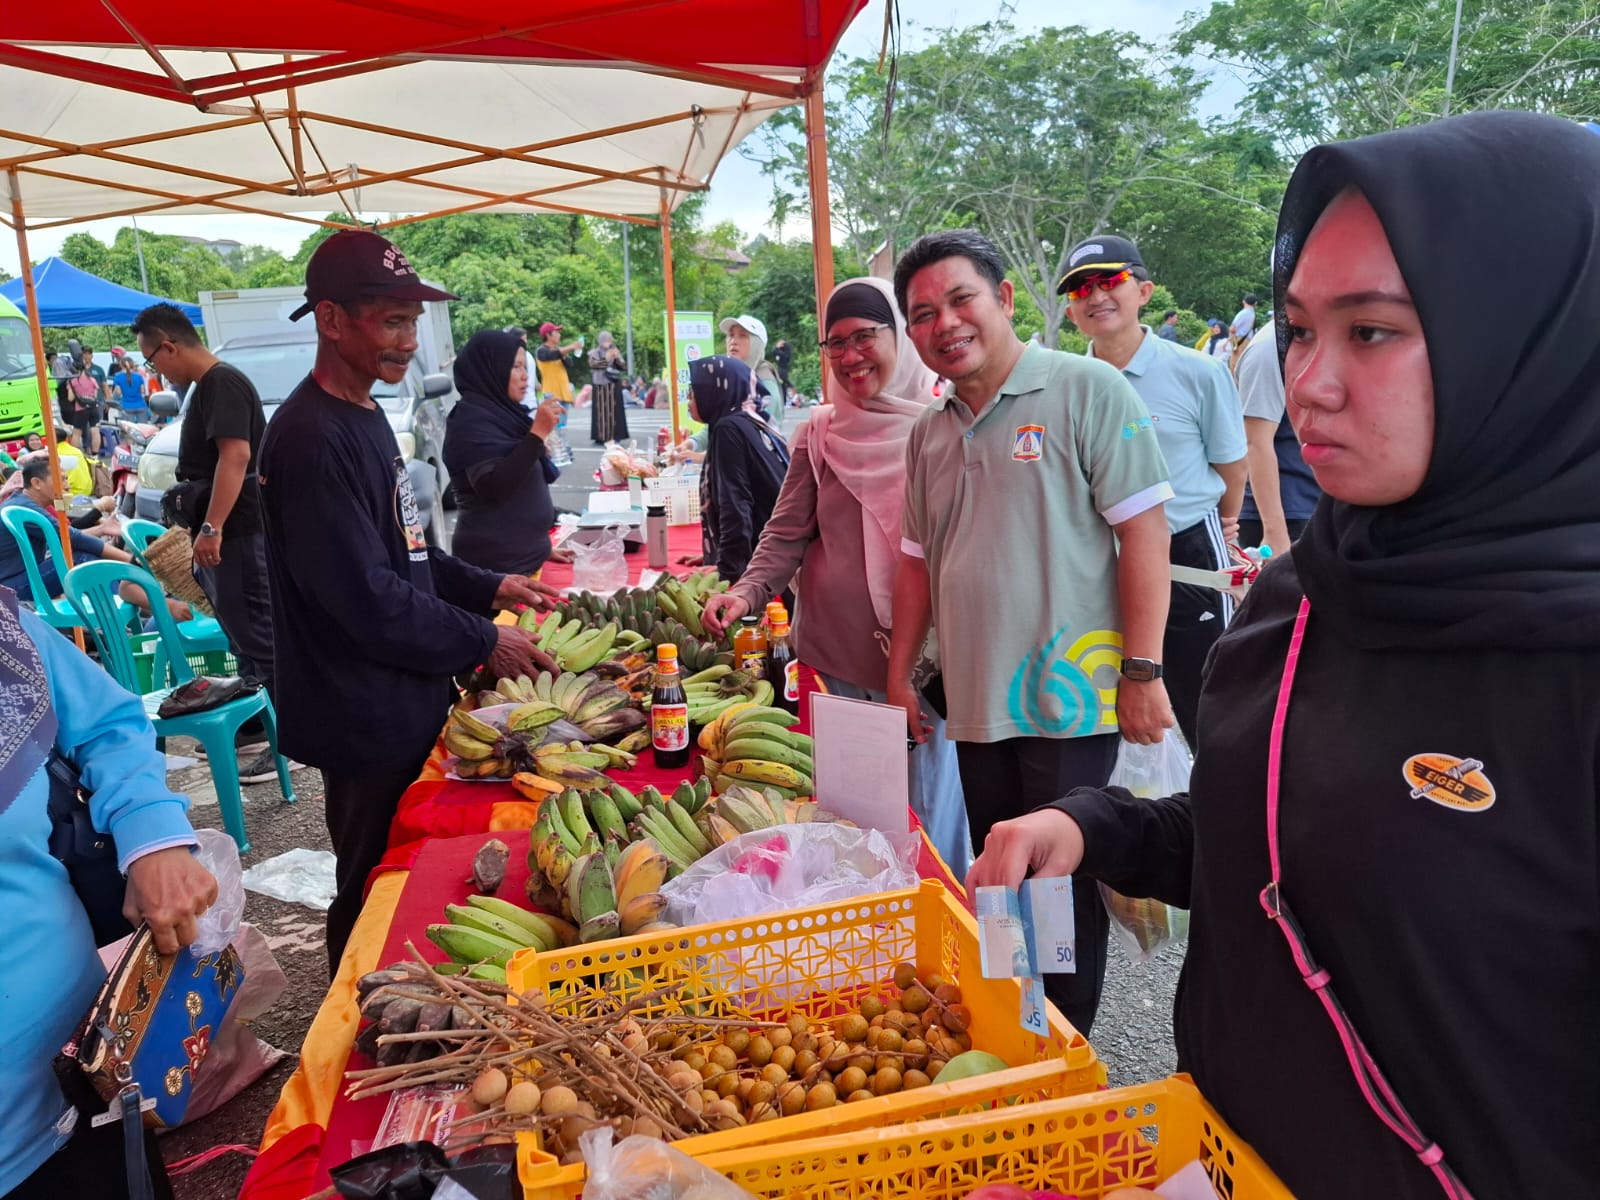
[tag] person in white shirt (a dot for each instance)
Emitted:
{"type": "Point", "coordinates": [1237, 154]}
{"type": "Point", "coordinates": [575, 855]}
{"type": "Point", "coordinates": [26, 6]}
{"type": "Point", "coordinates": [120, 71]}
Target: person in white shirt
{"type": "Point", "coordinates": [1244, 321]}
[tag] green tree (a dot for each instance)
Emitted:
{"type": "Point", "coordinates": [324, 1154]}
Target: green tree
{"type": "Point", "coordinates": [1037, 140]}
{"type": "Point", "coordinates": [1332, 69]}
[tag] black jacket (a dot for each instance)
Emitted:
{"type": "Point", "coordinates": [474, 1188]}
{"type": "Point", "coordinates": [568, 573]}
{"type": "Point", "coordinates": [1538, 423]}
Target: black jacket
{"type": "Point", "coordinates": [368, 622]}
{"type": "Point", "coordinates": [745, 465]}
{"type": "Point", "coordinates": [1464, 944]}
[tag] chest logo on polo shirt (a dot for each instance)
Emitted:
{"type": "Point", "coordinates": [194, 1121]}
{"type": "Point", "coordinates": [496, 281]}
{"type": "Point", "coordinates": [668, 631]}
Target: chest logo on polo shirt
{"type": "Point", "coordinates": [1449, 781]}
{"type": "Point", "coordinates": [1029, 446]}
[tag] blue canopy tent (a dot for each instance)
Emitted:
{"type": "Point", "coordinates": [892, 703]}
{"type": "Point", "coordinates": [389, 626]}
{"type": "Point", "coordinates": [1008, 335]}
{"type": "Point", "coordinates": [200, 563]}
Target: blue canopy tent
{"type": "Point", "coordinates": [69, 296]}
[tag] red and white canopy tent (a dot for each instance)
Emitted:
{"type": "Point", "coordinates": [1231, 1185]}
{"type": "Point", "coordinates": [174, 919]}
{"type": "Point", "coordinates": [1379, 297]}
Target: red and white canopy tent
{"type": "Point", "coordinates": [610, 108]}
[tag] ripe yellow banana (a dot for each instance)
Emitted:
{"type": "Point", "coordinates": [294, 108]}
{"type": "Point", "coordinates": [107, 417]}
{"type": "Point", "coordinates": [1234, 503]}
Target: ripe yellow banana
{"type": "Point", "coordinates": [759, 771]}
{"type": "Point", "coordinates": [641, 870]}
{"type": "Point", "coordinates": [641, 911]}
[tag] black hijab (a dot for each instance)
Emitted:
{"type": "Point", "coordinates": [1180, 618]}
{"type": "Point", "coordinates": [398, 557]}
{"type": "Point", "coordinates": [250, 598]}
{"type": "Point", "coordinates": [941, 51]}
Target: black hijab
{"type": "Point", "coordinates": [721, 385]}
{"type": "Point", "coordinates": [1500, 547]}
{"type": "Point", "coordinates": [486, 422]}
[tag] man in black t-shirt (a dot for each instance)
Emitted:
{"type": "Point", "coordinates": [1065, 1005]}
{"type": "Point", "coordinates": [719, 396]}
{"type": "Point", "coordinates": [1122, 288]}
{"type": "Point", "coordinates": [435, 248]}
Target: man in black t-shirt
{"type": "Point", "coordinates": [370, 622]}
{"type": "Point", "coordinates": [217, 492]}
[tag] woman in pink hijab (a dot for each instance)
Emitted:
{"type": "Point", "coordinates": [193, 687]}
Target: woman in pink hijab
{"type": "Point", "coordinates": [837, 524]}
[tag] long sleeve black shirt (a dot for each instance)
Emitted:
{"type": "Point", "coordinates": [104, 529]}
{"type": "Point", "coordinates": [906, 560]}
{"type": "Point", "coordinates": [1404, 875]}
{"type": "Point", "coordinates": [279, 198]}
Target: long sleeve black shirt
{"type": "Point", "coordinates": [1463, 942]}
{"type": "Point", "coordinates": [369, 623]}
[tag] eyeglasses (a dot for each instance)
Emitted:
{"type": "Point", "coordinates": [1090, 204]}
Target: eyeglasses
{"type": "Point", "coordinates": [857, 341]}
{"type": "Point", "coordinates": [1104, 282]}
{"type": "Point", "coordinates": [150, 362]}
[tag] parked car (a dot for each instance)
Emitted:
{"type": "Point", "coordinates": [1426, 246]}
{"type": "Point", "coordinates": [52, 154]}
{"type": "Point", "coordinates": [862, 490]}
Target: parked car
{"type": "Point", "coordinates": [276, 363]}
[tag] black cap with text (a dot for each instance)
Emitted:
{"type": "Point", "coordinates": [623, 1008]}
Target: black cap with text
{"type": "Point", "coordinates": [356, 264]}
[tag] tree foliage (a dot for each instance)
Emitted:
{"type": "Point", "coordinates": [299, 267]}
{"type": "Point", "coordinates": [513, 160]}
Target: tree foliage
{"type": "Point", "coordinates": [1341, 68]}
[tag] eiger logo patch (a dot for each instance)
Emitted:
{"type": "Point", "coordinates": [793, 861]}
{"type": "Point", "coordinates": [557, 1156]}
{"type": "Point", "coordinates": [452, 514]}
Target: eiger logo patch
{"type": "Point", "coordinates": [1449, 781]}
{"type": "Point", "coordinates": [1083, 252]}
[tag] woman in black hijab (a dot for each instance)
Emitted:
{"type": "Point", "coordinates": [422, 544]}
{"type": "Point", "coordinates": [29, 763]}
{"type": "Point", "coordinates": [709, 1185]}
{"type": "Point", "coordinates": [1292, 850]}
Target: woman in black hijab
{"type": "Point", "coordinates": [746, 461]}
{"type": "Point", "coordinates": [1400, 732]}
{"type": "Point", "coordinates": [496, 458]}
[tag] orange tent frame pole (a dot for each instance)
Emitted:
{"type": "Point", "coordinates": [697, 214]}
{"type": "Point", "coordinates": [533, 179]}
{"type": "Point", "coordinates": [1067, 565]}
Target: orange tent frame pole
{"type": "Point", "coordinates": [31, 298]}
{"type": "Point", "coordinates": [672, 313]}
{"type": "Point", "coordinates": [821, 214]}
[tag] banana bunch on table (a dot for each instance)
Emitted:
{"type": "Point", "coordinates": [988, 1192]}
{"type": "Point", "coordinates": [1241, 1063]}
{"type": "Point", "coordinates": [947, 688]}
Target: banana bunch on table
{"type": "Point", "coordinates": [756, 746]}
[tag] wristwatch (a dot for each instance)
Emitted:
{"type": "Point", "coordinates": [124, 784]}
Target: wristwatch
{"type": "Point", "coordinates": [207, 529]}
{"type": "Point", "coordinates": [1141, 670]}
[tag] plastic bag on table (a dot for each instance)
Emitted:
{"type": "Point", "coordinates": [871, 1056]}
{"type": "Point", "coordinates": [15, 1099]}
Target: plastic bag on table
{"type": "Point", "coordinates": [601, 566]}
{"type": "Point", "coordinates": [1146, 926]}
{"type": "Point", "coordinates": [791, 866]}
{"type": "Point", "coordinates": [644, 1168]}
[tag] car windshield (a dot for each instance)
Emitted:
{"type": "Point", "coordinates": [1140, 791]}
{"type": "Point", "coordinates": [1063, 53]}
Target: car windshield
{"type": "Point", "coordinates": [16, 349]}
{"type": "Point", "coordinates": [277, 370]}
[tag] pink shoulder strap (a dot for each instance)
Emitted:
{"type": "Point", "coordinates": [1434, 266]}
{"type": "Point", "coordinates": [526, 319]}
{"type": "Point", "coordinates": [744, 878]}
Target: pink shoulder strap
{"type": "Point", "coordinates": [1369, 1078]}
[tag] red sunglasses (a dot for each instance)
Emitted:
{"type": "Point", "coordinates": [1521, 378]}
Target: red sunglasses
{"type": "Point", "coordinates": [1104, 282]}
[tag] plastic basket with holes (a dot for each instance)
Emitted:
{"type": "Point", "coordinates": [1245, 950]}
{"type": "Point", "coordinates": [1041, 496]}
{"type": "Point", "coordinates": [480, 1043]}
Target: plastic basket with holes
{"type": "Point", "coordinates": [678, 494]}
{"type": "Point", "coordinates": [1084, 1146]}
{"type": "Point", "coordinates": [819, 961]}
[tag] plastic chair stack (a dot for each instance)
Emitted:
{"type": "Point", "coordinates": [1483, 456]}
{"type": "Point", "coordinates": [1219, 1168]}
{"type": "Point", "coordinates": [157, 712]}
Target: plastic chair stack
{"type": "Point", "coordinates": [91, 588]}
{"type": "Point", "coordinates": [59, 614]}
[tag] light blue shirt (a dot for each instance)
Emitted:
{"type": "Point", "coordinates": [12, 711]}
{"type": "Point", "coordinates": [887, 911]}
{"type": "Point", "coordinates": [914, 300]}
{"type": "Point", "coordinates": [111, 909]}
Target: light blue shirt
{"type": "Point", "coordinates": [1198, 421]}
{"type": "Point", "coordinates": [49, 969]}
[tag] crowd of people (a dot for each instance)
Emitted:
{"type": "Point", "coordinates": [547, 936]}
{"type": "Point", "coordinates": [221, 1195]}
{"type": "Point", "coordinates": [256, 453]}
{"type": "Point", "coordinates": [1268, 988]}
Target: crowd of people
{"type": "Point", "coordinates": [1389, 859]}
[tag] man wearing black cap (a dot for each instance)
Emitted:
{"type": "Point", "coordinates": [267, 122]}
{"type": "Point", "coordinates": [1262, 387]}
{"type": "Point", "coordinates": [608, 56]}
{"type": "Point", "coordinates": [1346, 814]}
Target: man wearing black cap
{"type": "Point", "coordinates": [369, 622]}
{"type": "Point", "coordinates": [1200, 430]}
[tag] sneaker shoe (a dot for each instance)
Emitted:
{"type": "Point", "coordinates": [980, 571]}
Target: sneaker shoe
{"type": "Point", "coordinates": [251, 747]}
{"type": "Point", "coordinates": [263, 768]}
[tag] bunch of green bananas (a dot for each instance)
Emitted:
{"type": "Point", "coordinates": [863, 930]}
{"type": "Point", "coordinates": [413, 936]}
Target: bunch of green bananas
{"type": "Point", "coordinates": [595, 704]}
{"type": "Point", "coordinates": [588, 858]}
{"type": "Point", "coordinates": [695, 653]}
{"type": "Point", "coordinates": [575, 646]}
{"type": "Point", "coordinates": [718, 688]}
{"type": "Point", "coordinates": [745, 810]}
{"type": "Point", "coordinates": [756, 746]}
{"type": "Point", "coordinates": [633, 609]}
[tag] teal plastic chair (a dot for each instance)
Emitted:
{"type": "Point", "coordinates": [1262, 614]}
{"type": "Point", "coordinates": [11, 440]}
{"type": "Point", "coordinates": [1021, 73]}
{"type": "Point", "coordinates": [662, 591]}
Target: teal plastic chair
{"type": "Point", "coordinates": [90, 588]}
{"type": "Point", "coordinates": [139, 533]}
{"type": "Point", "coordinates": [18, 520]}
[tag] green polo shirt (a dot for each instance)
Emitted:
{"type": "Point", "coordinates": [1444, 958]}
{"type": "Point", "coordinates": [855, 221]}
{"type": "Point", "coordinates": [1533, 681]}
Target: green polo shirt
{"type": "Point", "coordinates": [1013, 511]}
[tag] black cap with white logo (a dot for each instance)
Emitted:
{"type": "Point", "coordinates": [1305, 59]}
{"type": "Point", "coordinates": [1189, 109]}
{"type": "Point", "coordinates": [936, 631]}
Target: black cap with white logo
{"type": "Point", "coordinates": [356, 264]}
{"type": "Point", "coordinates": [1102, 253]}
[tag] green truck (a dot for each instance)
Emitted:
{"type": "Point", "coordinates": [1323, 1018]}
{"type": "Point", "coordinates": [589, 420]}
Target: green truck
{"type": "Point", "coordinates": [19, 387]}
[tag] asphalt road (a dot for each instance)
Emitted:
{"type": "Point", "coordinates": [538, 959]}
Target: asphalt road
{"type": "Point", "coordinates": [1133, 1034]}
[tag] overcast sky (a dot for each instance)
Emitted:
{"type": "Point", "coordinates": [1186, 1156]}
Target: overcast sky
{"type": "Point", "coordinates": [738, 191]}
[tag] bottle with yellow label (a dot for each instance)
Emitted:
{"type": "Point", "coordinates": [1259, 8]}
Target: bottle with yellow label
{"type": "Point", "coordinates": [750, 647]}
{"type": "Point", "coordinates": [669, 711]}
{"type": "Point", "coordinates": [783, 668]}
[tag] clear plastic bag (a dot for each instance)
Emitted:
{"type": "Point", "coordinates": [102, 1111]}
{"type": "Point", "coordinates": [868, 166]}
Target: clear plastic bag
{"type": "Point", "coordinates": [644, 1168]}
{"type": "Point", "coordinates": [791, 866]}
{"type": "Point", "coordinates": [218, 924]}
{"type": "Point", "coordinates": [601, 566]}
{"type": "Point", "coordinates": [1146, 926]}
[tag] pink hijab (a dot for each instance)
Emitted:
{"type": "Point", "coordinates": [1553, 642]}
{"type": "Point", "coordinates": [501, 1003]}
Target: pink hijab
{"type": "Point", "coordinates": [865, 445]}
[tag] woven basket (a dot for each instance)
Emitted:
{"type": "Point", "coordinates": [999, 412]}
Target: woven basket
{"type": "Point", "coordinates": [171, 559]}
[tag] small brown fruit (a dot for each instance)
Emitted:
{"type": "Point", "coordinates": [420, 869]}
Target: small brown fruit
{"type": "Point", "coordinates": [872, 1006]}
{"type": "Point", "coordinates": [852, 1079]}
{"type": "Point", "coordinates": [821, 1096]}
{"type": "Point", "coordinates": [916, 1053]}
{"type": "Point", "coordinates": [916, 1000]}
{"type": "Point", "coordinates": [648, 1127]}
{"type": "Point", "coordinates": [522, 1098]}
{"type": "Point", "coordinates": [557, 1102]}
{"type": "Point", "coordinates": [489, 1088]}
{"type": "Point", "coordinates": [905, 974]}
{"type": "Point", "coordinates": [863, 1094]}
{"type": "Point", "coordinates": [774, 1074]}
{"type": "Point", "coordinates": [737, 1040]}
{"type": "Point", "coordinates": [791, 1098]}
{"type": "Point", "coordinates": [887, 1081]}
{"type": "Point", "coordinates": [853, 1028]}
{"type": "Point", "coordinates": [957, 1018]}
{"type": "Point", "coordinates": [726, 1085]}
{"type": "Point", "coordinates": [694, 1060]}
{"type": "Point", "coordinates": [779, 1037]}
{"type": "Point", "coordinates": [760, 1051]}
{"type": "Point", "coordinates": [914, 1079]}
{"type": "Point", "coordinates": [761, 1093]}
{"type": "Point", "coordinates": [724, 1056]}
{"type": "Point", "coordinates": [784, 1057]}
{"type": "Point", "coordinates": [799, 1025]}
{"type": "Point", "coordinates": [804, 1062]}
{"type": "Point", "coordinates": [947, 993]}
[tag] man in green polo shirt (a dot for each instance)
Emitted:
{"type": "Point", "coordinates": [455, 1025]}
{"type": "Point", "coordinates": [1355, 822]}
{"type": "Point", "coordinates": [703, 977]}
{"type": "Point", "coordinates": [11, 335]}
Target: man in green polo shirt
{"type": "Point", "coordinates": [1022, 482]}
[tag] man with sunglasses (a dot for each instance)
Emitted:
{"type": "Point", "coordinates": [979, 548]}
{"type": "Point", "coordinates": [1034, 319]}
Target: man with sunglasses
{"type": "Point", "coordinates": [1200, 429]}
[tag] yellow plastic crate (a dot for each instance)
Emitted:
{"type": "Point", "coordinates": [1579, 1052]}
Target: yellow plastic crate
{"type": "Point", "coordinates": [819, 961]}
{"type": "Point", "coordinates": [1083, 1146]}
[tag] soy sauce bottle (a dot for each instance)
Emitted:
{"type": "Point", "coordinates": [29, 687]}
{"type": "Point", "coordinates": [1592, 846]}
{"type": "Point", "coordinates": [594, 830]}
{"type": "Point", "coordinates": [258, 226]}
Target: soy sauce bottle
{"type": "Point", "coordinates": [669, 711]}
{"type": "Point", "coordinates": [783, 668]}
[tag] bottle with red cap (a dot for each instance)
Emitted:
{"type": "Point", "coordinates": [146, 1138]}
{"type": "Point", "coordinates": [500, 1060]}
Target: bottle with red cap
{"type": "Point", "coordinates": [669, 711]}
{"type": "Point", "coordinates": [783, 668]}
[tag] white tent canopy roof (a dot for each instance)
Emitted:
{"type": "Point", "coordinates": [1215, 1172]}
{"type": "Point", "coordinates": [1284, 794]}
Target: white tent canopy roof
{"type": "Point", "coordinates": [417, 137]}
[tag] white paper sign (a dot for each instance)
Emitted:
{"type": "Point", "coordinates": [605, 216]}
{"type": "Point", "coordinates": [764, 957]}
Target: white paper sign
{"type": "Point", "coordinates": [861, 767]}
{"type": "Point", "coordinates": [609, 502]}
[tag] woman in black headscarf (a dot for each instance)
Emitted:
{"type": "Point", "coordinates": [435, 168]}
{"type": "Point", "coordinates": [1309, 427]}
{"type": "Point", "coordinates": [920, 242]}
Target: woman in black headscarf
{"type": "Point", "coordinates": [496, 458]}
{"type": "Point", "coordinates": [746, 461]}
{"type": "Point", "coordinates": [1400, 732]}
